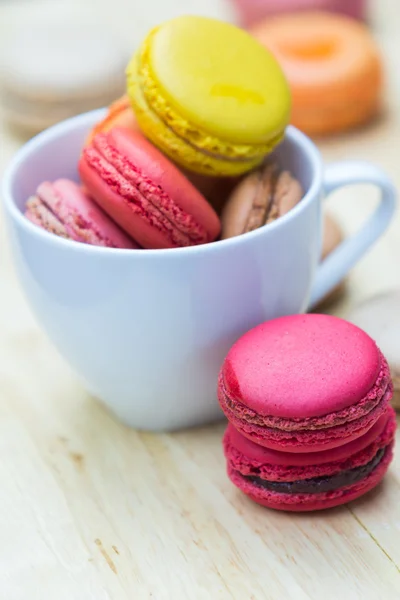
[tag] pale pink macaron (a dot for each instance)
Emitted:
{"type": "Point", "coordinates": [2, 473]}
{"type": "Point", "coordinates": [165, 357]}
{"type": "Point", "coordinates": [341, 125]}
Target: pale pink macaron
{"type": "Point", "coordinates": [251, 11]}
{"type": "Point", "coordinates": [63, 208]}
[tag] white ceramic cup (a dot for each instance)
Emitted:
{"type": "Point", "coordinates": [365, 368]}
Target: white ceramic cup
{"type": "Point", "coordinates": [147, 330]}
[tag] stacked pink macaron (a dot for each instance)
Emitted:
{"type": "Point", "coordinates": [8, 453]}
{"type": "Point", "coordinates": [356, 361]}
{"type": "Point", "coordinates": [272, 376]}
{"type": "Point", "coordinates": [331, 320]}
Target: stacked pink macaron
{"type": "Point", "coordinates": [311, 427]}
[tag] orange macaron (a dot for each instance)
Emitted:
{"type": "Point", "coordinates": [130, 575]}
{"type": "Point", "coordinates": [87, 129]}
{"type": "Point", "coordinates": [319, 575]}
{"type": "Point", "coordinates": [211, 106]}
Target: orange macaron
{"type": "Point", "coordinates": [333, 67]}
{"type": "Point", "coordinates": [119, 114]}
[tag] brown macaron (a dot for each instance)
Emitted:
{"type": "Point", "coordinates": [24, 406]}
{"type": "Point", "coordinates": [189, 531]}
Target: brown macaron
{"type": "Point", "coordinates": [216, 190]}
{"type": "Point", "coordinates": [332, 237]}
{"type": "Point", "coordinates": [379, 316]}
{"type": "Point", "coordinates": [264, 196]}
{"type": "Point", "coordinates": [260, 198]}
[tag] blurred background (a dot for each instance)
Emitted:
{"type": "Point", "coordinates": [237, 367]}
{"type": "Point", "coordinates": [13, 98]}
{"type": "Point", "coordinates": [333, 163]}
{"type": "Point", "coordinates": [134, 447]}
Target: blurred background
{"type": "Point", "coordinates": [132, 18]}
{"type": "Point", "coordinates": [129, 20]}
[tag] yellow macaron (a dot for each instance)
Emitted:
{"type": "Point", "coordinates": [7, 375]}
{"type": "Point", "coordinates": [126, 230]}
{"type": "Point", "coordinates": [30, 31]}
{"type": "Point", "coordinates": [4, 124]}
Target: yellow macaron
{"type": "Point", "coordinates": [208, 95]}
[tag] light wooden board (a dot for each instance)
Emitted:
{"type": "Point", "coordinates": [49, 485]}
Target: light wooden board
{"type": "Point", "coordinates": [92, 510]}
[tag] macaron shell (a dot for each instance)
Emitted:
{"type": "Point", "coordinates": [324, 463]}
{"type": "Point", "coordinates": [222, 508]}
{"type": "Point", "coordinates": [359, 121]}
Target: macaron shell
{"type": "Point", "coordinates": [45, 78]}
{"type": "Point", "coordinates": [75, 201]}
{"type": "Point", "coordinates": [238, 207]}
{"type": "Point", "coordinates": [76, 213]}
{"type": "Point", "coordinates": [332, 238]}
{"type": "Point", "coordinates": [333, 235]}
{"type": "Point", "coordinates": [259, 199]}
{"type": "Point", "coordinates": [302, 366]}
{"type": "Point", "coordinates": [146, 194]}
{"type": "Point", "coordinates": [257, 455]}
{"type": "Point", "coordinates": [312, 440]}
{"type": "Point", "coordinates": [246, 460]}
{"type": "Point", "coordinates": [182, 152]}
{"type": "Point", "coordinates": [379, 316]}
{"type": "Point", "coordinates": [333, 67]}
{"type": "Point", "coordinates": [209, 110]}
{"type": "Point", "coordinates": [38, 214]}
{"type": "Point", "coordinates": [396, 388]}
{"type": "Point", "coordinates": [215, 189]}
{"type": "Point", "coordinates": [312, 502]}
{"type": "Point", "coordinates": [124, 214]}
{"type": "Point", "coordinates": [233, 76]}
{"type": "Point", "coordinates": [312, 63]}
{"type": "Point", "coordinates": [286, 467]}
{"type": "Point", "coordinates": [92, 65]}
{"type": "Point", "coordinates": [252, 11]}
{"type": "Point", "coordinates": [119, 114]}
{"type": "Point", "coordinates": [165, 175]}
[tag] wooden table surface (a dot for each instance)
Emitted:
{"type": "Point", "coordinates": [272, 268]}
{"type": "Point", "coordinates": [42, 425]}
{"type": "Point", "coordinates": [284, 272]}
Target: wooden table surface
{"type": "Point", "coordinates": [92, 510]}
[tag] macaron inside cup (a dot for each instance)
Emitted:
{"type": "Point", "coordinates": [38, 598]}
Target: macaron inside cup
{"type": "Point", "coordinates": [265, 195]}
{"type": "Point", "coordinates": [142, 191]}
{"type": "Point", "coordinates": [259, 199]}
{"type": "Point", "coordinates": [304, 383]}
{"type": "Point", "coordinates": [64, 209]}
{"type": "Point", "coordinates": [208, 95]}
{"type": "Point", "coordinates": [119, 114]}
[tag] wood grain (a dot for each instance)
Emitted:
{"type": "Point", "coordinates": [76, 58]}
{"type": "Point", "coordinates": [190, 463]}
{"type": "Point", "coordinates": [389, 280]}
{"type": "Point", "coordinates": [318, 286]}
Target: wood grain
{"type": "Point", "coordinates": [92, 510]}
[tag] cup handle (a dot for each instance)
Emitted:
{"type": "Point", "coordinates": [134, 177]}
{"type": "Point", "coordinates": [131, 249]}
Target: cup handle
{"type": "Point", "coordinates": [334, 268]}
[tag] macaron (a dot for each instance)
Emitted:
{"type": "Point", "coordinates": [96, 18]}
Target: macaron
{"type": "Point", "coordinates": [216, 190]}
{"type": "Point", "coordinates": [333, 65]}
{"type": "Point", "coordinates": [259, 199]}
{"type": "Point", "coordinates": [119, 114]}
{"type": "Point", "coordinates": [145, 193]}
{"type": "Point", "coordinates": [379, 316]}
{"type": "Point", "coordinates": [304, 383]}
{"type": "Point", "coordinates": [251, 11]}
{"type": "Point", "coordinates": [314, 480]}
{"type": "Point", "coordinates": [332, 237]}
{"type": "Point", "coordinates": [51, 70]}
{"type": "Point", "coordinates": [63, 208]}
{"type": "Point", "coordinates": [208, 95]}
{"type": "Point", "coordinates": [265, 195]}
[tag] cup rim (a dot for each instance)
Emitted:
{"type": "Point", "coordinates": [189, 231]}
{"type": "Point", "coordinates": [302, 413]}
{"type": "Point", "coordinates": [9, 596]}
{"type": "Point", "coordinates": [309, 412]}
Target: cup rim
{"type": "Point", "coordinates": [64, 127]}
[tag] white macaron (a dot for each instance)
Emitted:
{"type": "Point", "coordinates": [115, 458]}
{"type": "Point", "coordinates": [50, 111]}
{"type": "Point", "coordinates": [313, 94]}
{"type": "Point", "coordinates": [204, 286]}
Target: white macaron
{"type": "Point", "coordinates": [52, 70]}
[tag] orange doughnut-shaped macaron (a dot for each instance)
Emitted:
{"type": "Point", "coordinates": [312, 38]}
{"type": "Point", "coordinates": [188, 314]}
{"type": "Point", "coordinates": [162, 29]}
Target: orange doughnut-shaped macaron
{"type": "Point", "coordinates": [333, 67]}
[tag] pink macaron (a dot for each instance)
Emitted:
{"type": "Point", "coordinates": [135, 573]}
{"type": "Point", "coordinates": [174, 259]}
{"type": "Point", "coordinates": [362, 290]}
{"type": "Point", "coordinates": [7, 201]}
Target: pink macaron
{"type": "Point", "coordinates": [310, 481]}
{"type": "Point", "coordinates": [304, 383]}
{"type": "Point", "coordinates": [145, 193]}
{"type": "Point", "coordinates": [62, 207]}
{"type": "Point", "coordinates": [251, 11]}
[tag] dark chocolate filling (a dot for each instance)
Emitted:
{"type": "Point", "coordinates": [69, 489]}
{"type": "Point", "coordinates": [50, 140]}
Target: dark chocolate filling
{"type": "Point", "coordinates": [319, 485]}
